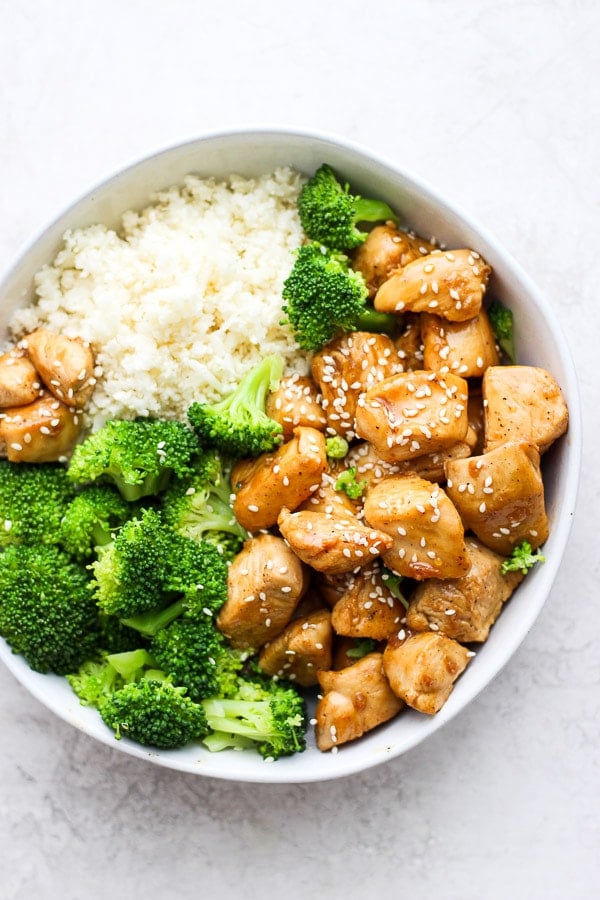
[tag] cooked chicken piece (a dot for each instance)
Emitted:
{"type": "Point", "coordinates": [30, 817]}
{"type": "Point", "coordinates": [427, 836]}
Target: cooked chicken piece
{"type": "Point", "coordinates": [372, 469]}
{"type": "Point", "coordinates": [464, 608]}
{"type": "Point", "coordinates": [19, 380]}
{"type": "Point", "coordinates": [43, 431]}
{"type": "Point", "coordinates": [66, 365]}
{"type": "Point", "coordinates": [385, 250]}
{"type": "Point", "coordinates": [410, 344]}
{"type": "Point", "coordinates": [465, 348]}
{"type": "Point", "coordinates": [285, 477]}
{"type": "Point", "coordinates": [423, 668]}
{"type": "Point", "coordinates": [367, 608]}
{"type": "Point", "coordinates": [329, 501]}
{"type": "Point", "coordinates": [346, 368]}
{"type": "Point", "coordinates": [356, 700]}
{"type": "Point", "coordinates": [301, 650]}
{"type": "Point", "coordinates": [426, 530]}
{"type": "Point", "coordinates": [413, 413]}
{"type": "Point", "coordinates": [266, 581]}
{"type": "Point", "coordinates": [522, 403]}
{"type": "Point", "coordinates": [296, 402]}
{"type": "Point", "coordinates": [331, 587]}
{"type": "Point", "coordinates": [331, 544]}
{"type": "Point", "coordinates": [448, 283]}
{"type": "Point", "coordinates": [500, 496]}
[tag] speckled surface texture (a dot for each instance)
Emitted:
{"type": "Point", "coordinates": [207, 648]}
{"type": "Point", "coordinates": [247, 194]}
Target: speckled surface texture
{"type": "Point", "coordinates": [496, 104]}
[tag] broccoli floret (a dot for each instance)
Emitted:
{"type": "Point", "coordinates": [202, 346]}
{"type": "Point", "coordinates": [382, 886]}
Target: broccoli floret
{"type": "Point", "coordinates": [522, 559]}
{"type": "Point", "coordinates": [129, 573]}
{"type": "Point", "coordinates": [502, 322]}
{"type": "Point", "coordinates": [196, 656]}
{"type": "Point", "coordinates": [194, 570]}
{"type": "Point", "coordinates": [271, 716]}
{"type": "Point", "coordinates": [336, 447]}
{"type": "Point", "coordinates": [138, 456]}
{"type": "Point", "coordinates": [91, 518]}
{"type": "Point", "coordinates": [115, 636]}
{"type": "Point", "coordinates": [33, 501]}
{"type": "Point", "coordinates": [47, 610]}
{"type": "Point", "coordinates": [200, 507]}
{"type": "Point", "coordinates": [323, 296]}
{"type": "Point", "coordinates": [347, 482]}
{"type": "Point", "coordinates": [238, 425]}
{"type": "Point", "coordinates": [97, 679]}
{"type": "Point", "coordinates": [329, 213]}
{"type": "Point", "coordinates": [154, 713]}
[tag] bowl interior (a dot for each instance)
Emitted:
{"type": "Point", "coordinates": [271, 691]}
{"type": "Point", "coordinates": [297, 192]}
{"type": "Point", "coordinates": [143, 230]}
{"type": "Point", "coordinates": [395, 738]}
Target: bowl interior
{"type": "Point", "coordinates": [539, 342]}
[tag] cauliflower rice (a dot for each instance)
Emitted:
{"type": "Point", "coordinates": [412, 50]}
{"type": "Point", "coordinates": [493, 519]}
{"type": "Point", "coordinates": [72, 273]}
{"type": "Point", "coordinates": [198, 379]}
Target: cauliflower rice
{"type": "Point", "coordinates": [183, 300]}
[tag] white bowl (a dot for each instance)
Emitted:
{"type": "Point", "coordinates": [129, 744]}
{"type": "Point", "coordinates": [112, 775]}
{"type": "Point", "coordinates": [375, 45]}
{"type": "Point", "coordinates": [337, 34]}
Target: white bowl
{"type": "Point", "coordinates": [539, 341]}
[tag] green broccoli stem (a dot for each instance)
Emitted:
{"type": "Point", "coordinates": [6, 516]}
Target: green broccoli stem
{"type": "Point", "coordinates": [378, 322]}
{"type": "Point", "coordinates": [130, 663]}
{"type": "Point", "coordinates": [253, 388]}
{"type": "Point", "coordinates": [150, 623]}
{"type": "Point", "coordinates": [373, 211]}
{"type": "Point", "coordinates": [222, 715]}
{"type": "Point", "coordinates": [150, 486]}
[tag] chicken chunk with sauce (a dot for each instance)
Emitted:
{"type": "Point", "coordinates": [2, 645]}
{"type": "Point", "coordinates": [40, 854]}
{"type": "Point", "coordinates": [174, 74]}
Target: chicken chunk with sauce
{"type": "Point", "coordinates": [372, 469]}
{"type": "Point", "coordinates": [296, 402]}
{"type": "Point", "coordinates": [385, 250]}
{"type": "Point", "coordinates": [285, 477]}
{"type": "Point", "coordinates": [355, 700]}
{"type": "Point", "coordinates": [66, 365]}
{"type": "Point", "coordinates": [346, 368]}
{"type": "Point", "coordinates": [367, 608]}
{"type": "Point", "coordinates": [447, 283]}
{"type": "Point", "coordinates": [423, 524]}
{"type": "Point", "coordinates": [464, 608]}
{"type": "Point", "coordinates": [43, 431]}
{"type": "Point", "coordinates": [414, 413]}
{"type": "Point", "coordinates": [302, 649]}
{"type": "Point", "coordinates": [500, 496]}
{"type": "Point", "coordinates": [19, 379]}
{"type": "Point", "coordinates": [522, 403]}
{"type": "Point", "coordinates": [422, 669]}
{"type": "Point", "coordinates": [465, 348]}
{"type": "Point", "coordinates": [265, 583]}
{"type": "Point", "coordinates": [331, 543]}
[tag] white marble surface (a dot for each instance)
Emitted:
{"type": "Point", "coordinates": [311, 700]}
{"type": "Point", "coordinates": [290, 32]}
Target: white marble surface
{"type": "Point", "coordinates": [497, 103]}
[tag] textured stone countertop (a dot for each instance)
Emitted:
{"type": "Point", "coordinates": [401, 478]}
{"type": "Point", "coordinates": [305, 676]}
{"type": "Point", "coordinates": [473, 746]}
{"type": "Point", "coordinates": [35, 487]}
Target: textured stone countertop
{"type": "Point", "coordinates": [496, 103]}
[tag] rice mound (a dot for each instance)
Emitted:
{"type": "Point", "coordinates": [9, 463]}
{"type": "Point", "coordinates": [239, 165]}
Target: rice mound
{"type": "Point", "coordinates": [183, 300]}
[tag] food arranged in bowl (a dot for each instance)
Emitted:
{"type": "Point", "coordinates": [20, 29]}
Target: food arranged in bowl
{"type": "Point", "coordinates": [265, 446]}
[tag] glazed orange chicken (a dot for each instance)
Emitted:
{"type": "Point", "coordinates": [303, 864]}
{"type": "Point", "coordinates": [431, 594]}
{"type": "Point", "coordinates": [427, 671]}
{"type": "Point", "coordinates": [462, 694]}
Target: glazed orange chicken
{"type": "Point", "coordinates": [407, 560]}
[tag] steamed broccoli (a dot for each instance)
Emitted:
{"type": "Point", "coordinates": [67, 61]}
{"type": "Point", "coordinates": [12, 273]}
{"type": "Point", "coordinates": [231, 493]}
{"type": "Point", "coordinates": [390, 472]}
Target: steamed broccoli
{"type": "Point", "coordinates": [269, 716]}
{"type": "Point", "coordinates": [394, 583]}
{"type": "Point", "coordinates": [33, 501]}
{"type": "Point", "coordinates": [238, 425]}
{"type": "Point", "coordinates": [324, 296]}
{"type": "Point", "coordinates": [196, 656]}
{"type": "Point", "coordinates": [347, 482]}
{"type": "Point", "coordinates": [502, 322]}
{"type": "Point", "coordinates": [96, 679]}
{"type": "Point", "coordinates": [47, 610]}
{"type": "Point", "coordinates": [139, 701]}
{"type": "Point", "coordinates": [138, 456]}
{"type": "Point", "coordinates": [195, 573]}
{"type": "Point", "coordinates": [155, 713]}
{"type": "Point", "coordinates": [329, 213]}
{"type": "Point", "coordinates": [361, 647]}
{"type": "Point", "coordinates": [91, 518]}
{"type": "Point", "coordinates": [522, 559]}
{"type": "Point", "coordinates": [115, 636]}
{"type": "Point", "coordinates": [129, 572]}
{"type": "Point", "coordinates": [200, 507]}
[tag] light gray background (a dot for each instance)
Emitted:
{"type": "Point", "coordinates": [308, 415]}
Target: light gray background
{"type": "Point", "coordinates": [497, 104]}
